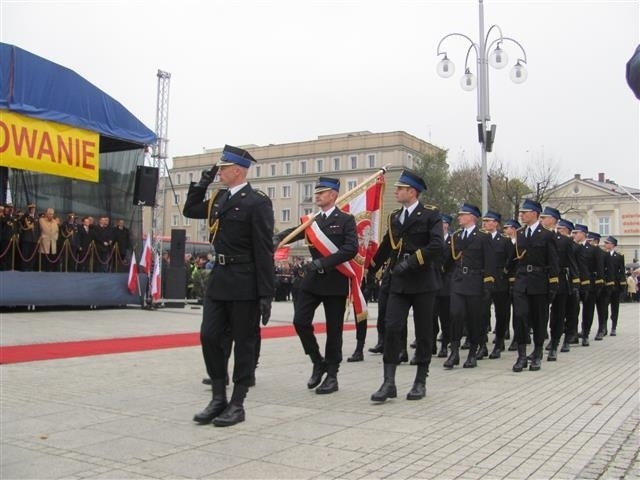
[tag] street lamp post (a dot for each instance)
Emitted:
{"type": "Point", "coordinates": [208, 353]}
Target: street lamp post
{"type": "Point", "coordinates": [497, 58]}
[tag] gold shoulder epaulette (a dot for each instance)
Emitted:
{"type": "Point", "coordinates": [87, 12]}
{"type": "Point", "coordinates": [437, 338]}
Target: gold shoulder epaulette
{"type": "Point", "coordinates": [547, 228]}
{"type": "Point", "coordinates": [260, 192]}
{"type": "Point", "coordinates": [430, 207]}
{"type": "Point", "coordinates": [521, 228]}
{"type": "Point", "coordinates": [457, 231]}
{"type": "Point", "coordinates": [482, 230]}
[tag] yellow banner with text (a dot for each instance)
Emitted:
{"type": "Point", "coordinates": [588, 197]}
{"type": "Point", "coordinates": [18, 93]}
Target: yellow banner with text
{"type": "Point", "coordinates": [49, 147]}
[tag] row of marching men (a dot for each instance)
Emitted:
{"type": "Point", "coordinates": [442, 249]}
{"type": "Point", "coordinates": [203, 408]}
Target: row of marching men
{"type": "Point", "coordinates": [542, 271]}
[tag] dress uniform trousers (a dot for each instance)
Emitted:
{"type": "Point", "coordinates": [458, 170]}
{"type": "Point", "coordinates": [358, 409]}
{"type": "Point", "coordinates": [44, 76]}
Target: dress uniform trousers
{"type": "Point", "coordinates": [535, 309]}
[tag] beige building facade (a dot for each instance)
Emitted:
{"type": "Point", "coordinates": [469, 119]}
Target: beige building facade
{"type": "Point", "coordinates": [604, 206]}
{"type": "Point", "coordinates": [287, 174]}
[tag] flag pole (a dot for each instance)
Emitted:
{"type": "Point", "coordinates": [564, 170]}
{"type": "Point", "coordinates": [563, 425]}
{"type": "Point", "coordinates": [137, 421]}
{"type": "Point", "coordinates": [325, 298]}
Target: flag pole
{"type": "Point", "coordinates": [345, 198]}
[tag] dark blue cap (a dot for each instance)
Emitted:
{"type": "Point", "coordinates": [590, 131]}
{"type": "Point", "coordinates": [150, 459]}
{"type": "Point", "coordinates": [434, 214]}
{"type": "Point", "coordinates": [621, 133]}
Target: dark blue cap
{"type": "Point", "coordinates": [512, 223]}
{"type": "Point", "coordinates": [446, 218]}
{"type": "Point", "coordinates": [612, 240]}
{"type": "Point", "coordinates": [593, 236]}
{"type": "Point", "coordinates": [580, 228]}
{"type": "Point", "coordinates": [550, 212]}
{"type": "Point", "coordinates": [566, 224]}
{"type": "Point", "coordinates": [468, 208]}
{"type": "Point", "coordinates": [327, 183]}
{"type": "Point", "coordinates": [531, 205]}
{"type": "Point", "coordinates": [411, 179]}
{"type": "Point", "coordinates": [491, 215]}
{"type": "Point", "coordinates": [235, 156]}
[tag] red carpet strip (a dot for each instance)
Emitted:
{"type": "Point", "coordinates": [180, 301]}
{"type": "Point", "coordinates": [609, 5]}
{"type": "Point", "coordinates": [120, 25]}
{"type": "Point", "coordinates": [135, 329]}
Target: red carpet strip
{"type": "Point", "coordinates": [85, 348]}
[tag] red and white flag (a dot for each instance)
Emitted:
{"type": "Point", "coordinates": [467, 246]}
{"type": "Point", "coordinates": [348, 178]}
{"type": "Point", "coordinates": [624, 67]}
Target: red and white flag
{"type": "Point", "coordinates": [366, 208]}
{"type": "Point", "coordinates": [156, 289]}
{"type": "Point", "coordinates": [132, 283]}
{"type": "Point", "coordinates": [147, 254]}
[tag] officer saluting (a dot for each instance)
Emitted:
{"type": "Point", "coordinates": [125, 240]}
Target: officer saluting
{"type": "Point", "coordinates": [241, 284]}
{"type": "Point", "coordinates": [536, 283]}
{"type": "Point", "coordinates": [413, 244]}
{"type": "Point", "coordinates": [324, 284]}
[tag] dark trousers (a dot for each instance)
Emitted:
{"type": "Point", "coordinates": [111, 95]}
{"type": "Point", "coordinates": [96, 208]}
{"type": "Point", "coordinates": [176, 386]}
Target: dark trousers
{"type": "Point", "coordinates": [602, 307]}
{"type": "Point", "coordinates": [304, 309]}
{"type": "Point", "coordinates": [383, 296]}
{"type": "Point", "coordinates": [614, 305]}
{"type": "Point", "coordinates": [467, 310]}
{"type": "Point", "coordinates": [502, 309]}
{"type": "Point", "coordinates": [441, 311]}
{"type": "Point", "coordinates": [29, 257]}
{"type": "Point", "coordinates": [530, 311]}
{"type": "Point", "coordinates": [398, 307]}
{"type": "Point", "coordinates": [588, 308]}
{"type": "Point", "coordinates": [239, 319]}
{"type": "Point", "coordinates": [573, 310]}
{"type": "Point", "coordinates": [558, 316]}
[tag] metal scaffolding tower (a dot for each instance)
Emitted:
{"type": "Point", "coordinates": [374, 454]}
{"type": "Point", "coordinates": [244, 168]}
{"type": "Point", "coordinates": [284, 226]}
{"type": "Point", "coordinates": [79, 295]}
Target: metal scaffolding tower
{"type": "Point", "coordinates": [159, 155]}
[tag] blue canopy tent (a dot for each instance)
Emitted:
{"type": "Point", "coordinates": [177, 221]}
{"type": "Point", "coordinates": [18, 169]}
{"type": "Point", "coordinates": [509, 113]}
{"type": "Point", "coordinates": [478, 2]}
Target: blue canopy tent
{"type": "Point", "coordinates": [35, 87]}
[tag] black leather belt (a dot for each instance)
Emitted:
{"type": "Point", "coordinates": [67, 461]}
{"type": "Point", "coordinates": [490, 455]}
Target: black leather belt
{"type": "Point", "coordinates": [222, 259]}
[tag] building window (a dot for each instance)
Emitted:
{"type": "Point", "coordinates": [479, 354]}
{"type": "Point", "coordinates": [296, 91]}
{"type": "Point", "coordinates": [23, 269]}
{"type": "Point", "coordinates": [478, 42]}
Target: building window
{"type": "Point", "coordinates": [287, 168]}
{"type": "Point", "coordinates": [319, 165]}
{"type": "Point", "coordinates": [351, 184]}
{"type": "Point", "coordinates": [336, 163]}
{"type": "Point", "coordinates": [286, 215]}
{"type": "Point", "coordinates": [190, 177]}
{"type": "Point", "coordinates": [178, 178]}
{"type": "Point", "coordinates": [371, 159]}
{"type": "Point", "coordinates": [272, 168]}
{"type": "Point", "coordinates": [187, 221]}
{"type": "Point", "coordinates": [286, 191]}
{"type": "Point", "coordinates": [603, 226]}
{"type": "Point", "coordinates": [202, 225]}
{"type": "Point", "coordinates": [174, 220]}
{"type": "Point", "coordinates": [353, 161]}
{"type": "Point", "coordinates": [307, 192]}
{"type": "Point", "coordinates": [303, 167]}
{"type": "Point", "coordinates": [176, 198]}
{"type": "Point", "coordinates": [307, 211]}
{"type": "Point", "coordinates": [257, 171]}
{"type": "Point", "coordinates": [271, 192]}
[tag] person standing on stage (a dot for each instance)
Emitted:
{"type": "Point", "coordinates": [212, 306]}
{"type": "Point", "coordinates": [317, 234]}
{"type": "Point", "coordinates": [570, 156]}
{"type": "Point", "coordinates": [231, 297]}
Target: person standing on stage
{"type": "Point", "coordinates": [335, 231]}
{"type": "Point", "coordinates": [413, 245]}
{"type": "Point", "coordinates": [614, 262]}
{"type": "Point", "coordinates": [568, 281]}
{"type": "Point", "coordinates": [471, 284]}
{"type": "Point", "coordinates": [240, 287]}
{"type": "Point", "coordinates": [535, 284]}
{"type": "Point", "coordinates": [503, 250]}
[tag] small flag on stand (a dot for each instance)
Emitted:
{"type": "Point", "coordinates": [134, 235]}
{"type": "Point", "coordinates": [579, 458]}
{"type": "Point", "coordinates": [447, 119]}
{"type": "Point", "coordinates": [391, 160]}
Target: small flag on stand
{"type": "Point", "coordinates": [132, 283]}
{"type": "Point", "coordinates": [147, 253]}
{"type": "Point", "coordinates": [156, 290]}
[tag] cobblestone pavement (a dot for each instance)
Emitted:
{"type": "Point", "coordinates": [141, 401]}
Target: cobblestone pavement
{"type": "Point", "coordinates": [129, 415]}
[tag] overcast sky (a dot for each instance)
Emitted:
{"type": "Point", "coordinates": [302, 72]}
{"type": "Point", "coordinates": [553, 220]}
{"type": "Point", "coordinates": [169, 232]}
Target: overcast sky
{"type": "Point", "coordinates": [261, 72]}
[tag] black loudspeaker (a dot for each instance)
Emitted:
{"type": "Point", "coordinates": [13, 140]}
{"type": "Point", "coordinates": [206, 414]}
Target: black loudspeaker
{"type": "Point", "coordinates": [144, 193]}
{"type": "Point", "coordinates": [175, 283]}
{"type": "Point", "coordinates": [178, 237]}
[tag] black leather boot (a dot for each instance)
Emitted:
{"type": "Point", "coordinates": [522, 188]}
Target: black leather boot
{"type": "Point", "coordinates": [497, 349]}
{"type": "Point", "coordinates": [471, 361]}
{"type": "Point", "coordinates": [404, 357]}
{"type": "Point", "coordinates": [552, 356]}
{"type": "Point", "coordinates": [319, 369]}
{"type": "Point", "coordinates": [357, 354]}
{"type": "Point", "coordinates": [466, 344]}
{"type": "Point", "coordinates": [388, 387]}
{"type": "Point", "coordinates": [521, 362]}
{"type": "Point", "coordinates": [565, 345]}
{"type": "Point", "coordinates": [513, 346]}
{"type": "Point", "coordinates": [482, 351]}
{"type": "Point", "coordinates": [234, 413]}
{"type": "Point", "coordinates": [216, 406]}
{"type": "Point", "coordinates": [454, 356]}
{"type": "Point", "coordinates": [419, 389]}
{"type": "Point", "coordinates": [378, 347]}
{"type": "Point", "coordinates": [443, 349]}
{"type": "Point", "coordinates": [330, 382]}
{"type": "Point", "coordinates": [537, 357]}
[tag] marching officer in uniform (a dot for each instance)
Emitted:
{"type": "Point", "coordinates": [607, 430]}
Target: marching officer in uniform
{"type": "Point", "coordinates": [614, 263]}
{"type": "Point", "coordinates": [510, 229]}
{"type": "Point", "coordinates": [568, 280]}
{"type": "Point", "coordinates": [413, 245]}
{"type": "Point", "coordinates": [503, 251]}
{"type": "Point", "coordinates": [471, 284]}
{"type": "Point", "coordinates": [535, 284]}
{"type": "Point", "coordinates": [602, 295]}
{"type": "Point", "coordinates": [593, 282]}
{"type": "Point", "coordinates": [241, 284]}
{"type": "Point", "coordinates": [564, 228]}
{"type": "Point", "coordinates": [442, 307]}
{"type": "Point", "coordinates": [324, 284]}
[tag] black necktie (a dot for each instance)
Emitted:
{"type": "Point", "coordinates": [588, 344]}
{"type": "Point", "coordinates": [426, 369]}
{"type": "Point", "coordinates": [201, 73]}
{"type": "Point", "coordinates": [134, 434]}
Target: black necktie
{"type": "Point", "coordinates": [405, 215]}
{"type": "Point", "coordinates": [528, 232]}
{"type": "Point", "coordinates": [464, 235]}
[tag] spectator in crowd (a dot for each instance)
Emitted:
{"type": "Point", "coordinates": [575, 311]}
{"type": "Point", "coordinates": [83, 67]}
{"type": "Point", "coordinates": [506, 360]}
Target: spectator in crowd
{"type": "Point", "coordinates": [122, 244]}
{"type": "Point", "coordinates": [49, 232]}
